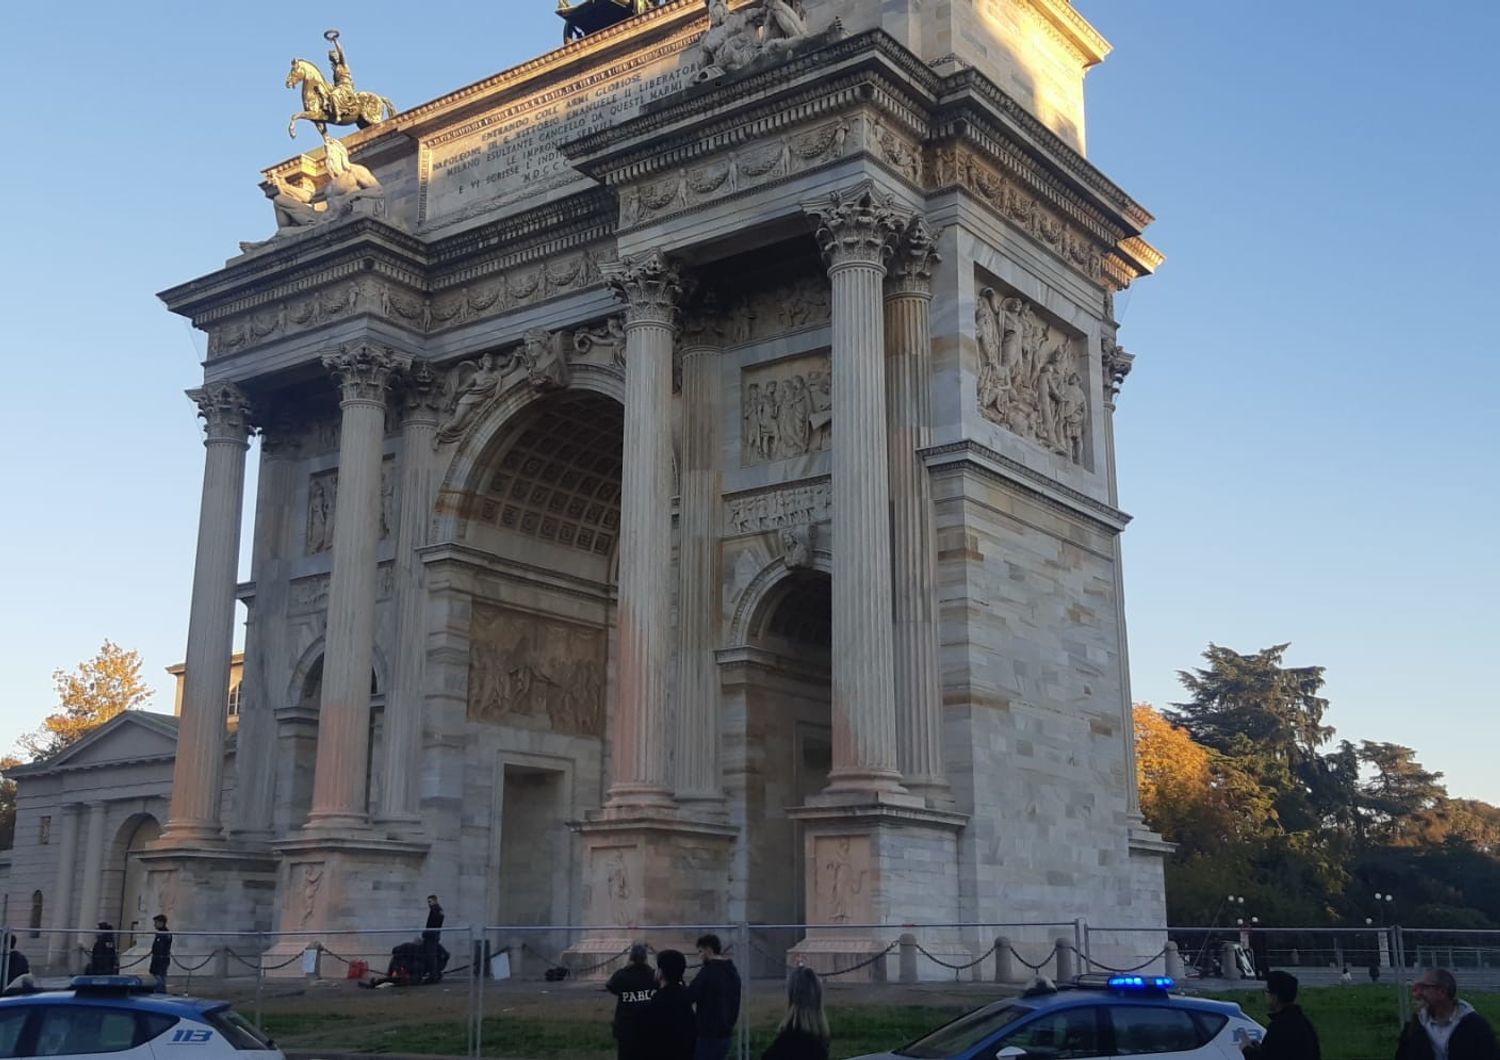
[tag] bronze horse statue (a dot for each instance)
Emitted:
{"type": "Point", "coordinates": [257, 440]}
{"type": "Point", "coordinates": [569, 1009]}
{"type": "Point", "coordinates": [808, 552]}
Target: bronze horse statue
{"type": "Point", "coordinates": [336, 104]}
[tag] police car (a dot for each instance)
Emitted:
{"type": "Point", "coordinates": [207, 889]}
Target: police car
{"type": "Point", "coordinates": [1129, 1015]}
{"type": "Point", "coordinates": [115, 1015]}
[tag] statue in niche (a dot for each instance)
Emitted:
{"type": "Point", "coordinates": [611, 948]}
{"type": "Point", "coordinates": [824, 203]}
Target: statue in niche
{"type": "Point", "coordinates": [476, 383]}
{"type": "Point", "coordinates": [1028, 383]}
{"type": "Point", "coordinates": [322, 496]}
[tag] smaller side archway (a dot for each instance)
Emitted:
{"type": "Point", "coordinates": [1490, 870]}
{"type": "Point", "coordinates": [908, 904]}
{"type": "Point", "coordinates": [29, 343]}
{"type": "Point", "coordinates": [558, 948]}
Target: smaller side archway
{"type": "Point", "coordinates": [125, 882]}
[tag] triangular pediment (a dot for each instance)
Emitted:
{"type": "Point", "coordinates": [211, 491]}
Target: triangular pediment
{"type": "Point", "coordinates": [127, 737]}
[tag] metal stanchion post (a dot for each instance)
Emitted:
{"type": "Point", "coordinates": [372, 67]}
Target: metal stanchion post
{"type": "Point", "coordinates": [746, 963]}
{"type": "Point", "coordinates": [260, 981]}
{"type": "Point", "coordinates": [484, 978]}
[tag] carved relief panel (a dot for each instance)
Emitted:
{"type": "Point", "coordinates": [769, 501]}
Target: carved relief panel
{"type": "Point", "coordinates": [779, 509]}
{"type": "Point", "coordinates": [779, 310]}
{"type": "Point", "coordinates": [843, 880]}
{"type": "Point", "coordinates": [523, 666]}
{"type": "Point", "coordinates": [614, 883]}
{"type": "Point", "coordinates": [786, 410]}
{"type": "Point", "coordinates": [1031, 375]}
{"type": "Point", "coordinates": [322, 500]}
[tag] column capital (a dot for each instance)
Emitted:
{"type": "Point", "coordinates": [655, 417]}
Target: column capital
{"type": "Point", "coordinates": [856, 226]}
{"type": "Point", "coordinates": [422, 393]}
{"type": "Point", "coordinates": [364, 372]}
{"type": "Point", "coordinates": [914, 258]}
{"type": "Point", "coordinates": [280, 433]}
{"type": "Point", "coordinates": [702, 324]}
{"type": "Point", "coordinates": [1117, 364]}
{"type": "Point", "coordinates": [651, 286]}
{"type": "Point", "coordinates": [227, 415]}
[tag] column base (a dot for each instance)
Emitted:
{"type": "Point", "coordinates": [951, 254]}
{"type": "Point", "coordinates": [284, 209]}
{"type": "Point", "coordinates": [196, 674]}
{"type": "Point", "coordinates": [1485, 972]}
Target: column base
{"type": "Point", "coordinates": [625, 799]}
{"type": "Point", "coordinates": [865, 782]}
{"type": "Point", "coordinates": [872, 868]}
{"type": "Point", "coordinates": [336, 823]}
{"type": "Point", "coordinates": [190, 835]}
{"type": "Point", "coordinates": [352, 897]}
{"type": "Point", "coordinates": [648, 870]}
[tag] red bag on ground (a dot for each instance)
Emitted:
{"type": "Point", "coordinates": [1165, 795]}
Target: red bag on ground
{"type": "Point", "coordinates": [358, 969]}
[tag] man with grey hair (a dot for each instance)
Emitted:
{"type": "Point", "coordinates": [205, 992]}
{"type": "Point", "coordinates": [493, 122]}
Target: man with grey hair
{"type": "Point", "coordinates": [633, 986]}
{"type": "Point", "coordinates": [1444, 1028]}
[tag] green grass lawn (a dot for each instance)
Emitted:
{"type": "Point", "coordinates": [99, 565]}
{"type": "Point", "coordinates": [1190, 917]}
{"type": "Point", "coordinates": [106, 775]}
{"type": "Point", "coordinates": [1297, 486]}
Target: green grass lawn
{"type": "Point", "coordinates": [1354, 1023]}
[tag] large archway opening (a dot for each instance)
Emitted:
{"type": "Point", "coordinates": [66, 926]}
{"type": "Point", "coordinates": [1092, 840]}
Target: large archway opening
{"type": "Point", "coordinates": [125, 879]}
{"type": "Point", "coordinates": [788, 741]}
{"type": "Point", "coordinates": [538, 516]}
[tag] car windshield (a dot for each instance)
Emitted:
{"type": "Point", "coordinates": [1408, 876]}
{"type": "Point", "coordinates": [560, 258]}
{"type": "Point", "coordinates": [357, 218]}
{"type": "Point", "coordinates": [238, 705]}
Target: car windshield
{"type": "Point", "coordinates": [237, 1030]}
{"type": "Point", "coordinates": [965, 1032]}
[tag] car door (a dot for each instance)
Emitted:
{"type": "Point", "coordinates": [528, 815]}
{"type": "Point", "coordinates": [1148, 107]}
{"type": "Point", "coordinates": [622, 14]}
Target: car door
{"type": "Point", "coordinates": [1157, 1031]}
{"type": "Point", "coordinates": [70, 1030]}
{"type": "Point", "coordinates": [1072, 1033]}
{"type": "Point", "coordinates": [12, 1024]}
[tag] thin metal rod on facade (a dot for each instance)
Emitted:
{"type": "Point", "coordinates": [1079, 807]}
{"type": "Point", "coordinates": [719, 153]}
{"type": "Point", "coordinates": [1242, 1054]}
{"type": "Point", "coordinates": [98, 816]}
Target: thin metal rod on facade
{"type": "Point", "coordinates": [538, 929]}
{"type": "Point", "coordinates": [886, 927]}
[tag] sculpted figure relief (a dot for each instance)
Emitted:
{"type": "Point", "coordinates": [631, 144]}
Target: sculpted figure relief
{"type": "Point", "coordinates": [1030, 381]}
{"type": "Point", "coordinates": [525, 667]}
{"type": "Point", "coordinates": [336, 104]}
{"type": "Point", "coordinates": [541, 356]}
{"type": "Point", "coordinates": [735, 39]}
{"type": "Point", "coordinates": [787, 413]}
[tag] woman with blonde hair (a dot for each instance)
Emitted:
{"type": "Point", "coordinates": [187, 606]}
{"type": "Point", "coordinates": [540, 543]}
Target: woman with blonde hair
{"type": "Point", "coordinates": [804, 1032]}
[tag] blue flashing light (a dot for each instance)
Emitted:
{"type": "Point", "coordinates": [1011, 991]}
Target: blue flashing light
{"type": "Point", "coordinates": [107, 982]}
{"type": "Point", "coordinates": [1141, 982]}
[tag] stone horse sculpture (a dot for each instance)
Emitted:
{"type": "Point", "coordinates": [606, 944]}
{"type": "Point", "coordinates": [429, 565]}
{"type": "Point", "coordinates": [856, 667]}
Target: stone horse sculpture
{"type": "Point", "coordinates": [336, 104]}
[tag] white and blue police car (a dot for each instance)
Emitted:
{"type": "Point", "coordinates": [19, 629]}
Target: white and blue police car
{"type": "Point", "coordinates": [115, 1014]}
{"type": "Point", "coordinates": [1126, 1015]}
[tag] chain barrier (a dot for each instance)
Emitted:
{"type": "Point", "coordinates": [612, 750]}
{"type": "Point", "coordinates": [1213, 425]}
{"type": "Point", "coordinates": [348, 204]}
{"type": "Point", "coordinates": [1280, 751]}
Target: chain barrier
{"type": "Point", "coordinates": [558, 963]}
{"type": "Point", "coordinates": [1034, 967]}
{"type": "Point", "coordinates": [324, 949]}
{"type": "Point", "coordinates": [861, 964]}
{"type": "Point", "coordinates": [230, 951]}
{"type": "Point", "coordinates": [956, 967]}
{"type": "Point", "coordinates": [190, 969]}
{"type": "Point", "coordinates": [1120, 971]}
{"type": "Point", "coordinates": [294, 958]}
{"type": "Point", "coordinates": [134, 961]}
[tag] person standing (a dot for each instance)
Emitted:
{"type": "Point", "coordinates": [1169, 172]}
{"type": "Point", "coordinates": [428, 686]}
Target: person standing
{"type": "Point", "coordinates": [432, 942]}
{"type": "Point", "coordinates": [17, 967]}
{"type": "Point", "coordinates": [803, 1034]}
{"type": "Point", "coordinates": [1291, 1035]}
{"type": "Point", "coordinates": [715, 994]}
{"type": "Point", "coordinates": [104, 959]}
{"type": "Point", "coordinates": [671, 1032]}
{"type": "Point", "coordinates": [633, 987]}
{"type": "Point", "coordinates": [161, 952]}
{"type": "Point", "coordinates": [1444, 1027]}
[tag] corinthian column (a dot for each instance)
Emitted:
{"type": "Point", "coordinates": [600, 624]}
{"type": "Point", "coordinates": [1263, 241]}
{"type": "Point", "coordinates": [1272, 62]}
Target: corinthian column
{"type": "Point", "coordinates": [908, 336]}
{"type": "Point", "coordinates": [697, 728]}
{"type": "Point", "coordinates": [650, 288]}
{"type": "Point", "coordinates": [1115, 364]}
{"type": "Point", "coordinates": [855, 230]}
{"type": "Point", "coordinates": [193, 817]}
{"type": "Point", "coordinates": [342, 772]}
{"type": "Point", "coordinates": [421, 395]}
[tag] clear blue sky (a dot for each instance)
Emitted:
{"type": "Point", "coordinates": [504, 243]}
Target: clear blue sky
{"type": "Point", "coordinates": [1306, 442]}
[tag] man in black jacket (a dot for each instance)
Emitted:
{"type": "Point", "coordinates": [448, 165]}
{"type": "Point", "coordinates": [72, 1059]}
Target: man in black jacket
{"type": "Point", "coordinates": [715, 993]}
{"type": "Point", "coordinates": [432, 946]}
{"type": "Point", "coordinates": [1291, 1035]}
{"type": "Point", "coordinates": [1444, 1028]}
{"type": "Point", "coordinates": [161, 952]}
{"type": "Point", "coordinates": [632, 986]}
{"type": "Point", "coordinates": [104, 958]}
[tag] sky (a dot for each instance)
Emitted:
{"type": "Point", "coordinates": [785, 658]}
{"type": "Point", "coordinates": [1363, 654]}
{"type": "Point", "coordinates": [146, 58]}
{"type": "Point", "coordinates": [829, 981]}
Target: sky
{"type": "Point", "coordinates": [1306, 442]}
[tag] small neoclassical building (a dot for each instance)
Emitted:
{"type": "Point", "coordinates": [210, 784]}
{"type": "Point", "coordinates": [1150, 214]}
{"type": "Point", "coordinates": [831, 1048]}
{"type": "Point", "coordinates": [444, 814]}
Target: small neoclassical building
{"type": "Point", "coordinates": [686, 495]}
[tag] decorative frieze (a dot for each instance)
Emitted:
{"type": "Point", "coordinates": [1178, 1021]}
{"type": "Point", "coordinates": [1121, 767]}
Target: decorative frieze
{"type": "Point", "coordinates": [791, 506]}
{"type": "Point", "coordinates": [1030, 379]}
{"type": "Point", "coordinates": [526, 669]}
{"type": "Point", "coordinates": [749, 166]}
{"type": "Point", "coordinates": [779, 310]}
{"type": "Point", "coordinates": [786, 410]}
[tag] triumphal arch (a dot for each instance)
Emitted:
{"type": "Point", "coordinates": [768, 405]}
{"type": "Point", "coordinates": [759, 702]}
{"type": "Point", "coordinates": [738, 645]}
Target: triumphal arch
{"type": "Point", "coordinates": [686, 493]}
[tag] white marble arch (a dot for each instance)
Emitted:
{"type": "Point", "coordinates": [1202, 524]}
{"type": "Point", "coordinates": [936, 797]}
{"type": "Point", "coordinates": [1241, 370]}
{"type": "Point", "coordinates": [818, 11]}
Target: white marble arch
{"type": "Point", "coordinates": [760, 597]}
{"type": "Point", "coordinates": [312, 655]}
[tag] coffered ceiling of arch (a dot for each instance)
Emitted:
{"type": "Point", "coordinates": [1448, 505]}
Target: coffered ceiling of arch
{"type": "Point", "coordinates": [559, 478]}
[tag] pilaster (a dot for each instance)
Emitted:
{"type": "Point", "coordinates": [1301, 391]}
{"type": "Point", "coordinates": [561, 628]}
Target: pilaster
{"type": "Point", "coordinates": [62, 893]}
{"type": "Point", "coordinates": [919, 720]}
{"type": "Point", "coordinates": [422, 399]}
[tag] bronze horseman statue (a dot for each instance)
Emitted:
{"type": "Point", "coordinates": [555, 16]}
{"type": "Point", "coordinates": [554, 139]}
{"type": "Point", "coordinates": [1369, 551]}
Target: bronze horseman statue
{"type": "Point", "coordinates": [336, 104]}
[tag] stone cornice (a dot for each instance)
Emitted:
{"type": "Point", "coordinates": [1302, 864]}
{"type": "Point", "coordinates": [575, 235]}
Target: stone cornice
{"type": "Point", "coordinates": [43, 769]}
{"type": "Point", "coordinates": [1074, 30]}
{"type": "Point", "coordinates": [970, 455]}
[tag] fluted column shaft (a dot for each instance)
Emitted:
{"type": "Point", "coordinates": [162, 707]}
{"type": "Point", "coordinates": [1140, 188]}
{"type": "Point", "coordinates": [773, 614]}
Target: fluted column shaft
{"type": "Point", "coordinates": [255, 757]}
{"type": "Point", "coordinates": [1115, 365]}
{"type": "Point", "coordinates": [197, 773]}
{"type": "Point", "coordinates": [697, 728]}
{"type": "Point", "coordinates": [919, 718]}
{"type": "Point", "coordinates": [422, 399]}
{"type": "Point", "coordinates": [650, 288]}
{"type": "Point", "coordinates": [92, 883]}
{"type": "Point", "coordinates": [67, 872]}
{"type": "Point", "coordinates": [341, 779]}
{"type": "Point", "coordinates": [855, 231]}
